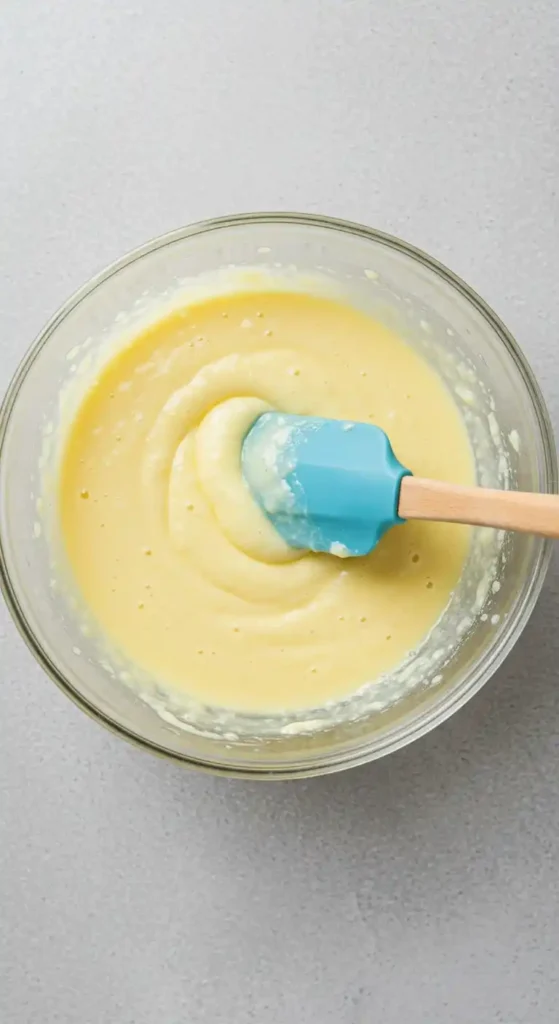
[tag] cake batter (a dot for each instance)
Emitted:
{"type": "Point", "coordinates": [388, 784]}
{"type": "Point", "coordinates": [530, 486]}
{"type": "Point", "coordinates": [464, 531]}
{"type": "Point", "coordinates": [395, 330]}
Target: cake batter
{"type": "Point", "coordinates": [182, 571]}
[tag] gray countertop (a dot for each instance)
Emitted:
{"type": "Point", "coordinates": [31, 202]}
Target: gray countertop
{"type": "Point", "coordinates": [420, 889]}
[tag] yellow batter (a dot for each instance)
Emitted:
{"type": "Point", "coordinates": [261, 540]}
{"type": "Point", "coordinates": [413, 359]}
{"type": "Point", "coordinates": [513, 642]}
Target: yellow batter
{"type": "Point", "coordinates": [182, 571]}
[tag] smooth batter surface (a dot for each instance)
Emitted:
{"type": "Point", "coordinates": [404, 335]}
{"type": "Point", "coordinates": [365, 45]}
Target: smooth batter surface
{"type": "Point", "coordinates": [176, 563]}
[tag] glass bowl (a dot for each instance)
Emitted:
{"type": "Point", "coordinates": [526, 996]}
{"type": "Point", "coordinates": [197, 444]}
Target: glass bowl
{"type": "Point", "coordinates": [436, 312]}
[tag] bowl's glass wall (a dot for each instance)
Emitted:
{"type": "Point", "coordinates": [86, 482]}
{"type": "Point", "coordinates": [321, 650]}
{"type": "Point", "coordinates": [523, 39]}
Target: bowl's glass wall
{"type": "Point", "coordinates": [402, 287]}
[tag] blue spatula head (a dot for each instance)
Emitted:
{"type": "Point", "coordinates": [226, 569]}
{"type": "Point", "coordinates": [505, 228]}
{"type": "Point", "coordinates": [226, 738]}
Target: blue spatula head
{"type": "Point", "coordinates": [326, 485]}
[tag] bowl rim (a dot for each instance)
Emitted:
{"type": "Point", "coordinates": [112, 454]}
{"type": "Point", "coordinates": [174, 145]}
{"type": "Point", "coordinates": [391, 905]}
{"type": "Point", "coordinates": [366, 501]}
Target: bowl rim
{"type": "Point", "coordinates": [431, 716]}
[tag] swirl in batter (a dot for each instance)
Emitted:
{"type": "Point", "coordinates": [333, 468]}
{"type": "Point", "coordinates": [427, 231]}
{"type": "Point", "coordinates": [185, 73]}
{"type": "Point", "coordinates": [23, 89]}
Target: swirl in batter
{"type": "Point", "coordinates": [181, 570]}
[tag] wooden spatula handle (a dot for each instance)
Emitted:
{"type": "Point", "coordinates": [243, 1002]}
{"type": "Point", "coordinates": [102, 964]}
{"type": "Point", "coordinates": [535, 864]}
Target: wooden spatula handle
{"type": "Point", "coordinates": [479, 506]}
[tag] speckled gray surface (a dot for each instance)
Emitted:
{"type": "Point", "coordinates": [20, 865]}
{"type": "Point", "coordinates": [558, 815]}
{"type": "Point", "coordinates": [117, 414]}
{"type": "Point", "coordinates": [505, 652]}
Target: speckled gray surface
{"type": "Point", "coordinates": [423, 888]}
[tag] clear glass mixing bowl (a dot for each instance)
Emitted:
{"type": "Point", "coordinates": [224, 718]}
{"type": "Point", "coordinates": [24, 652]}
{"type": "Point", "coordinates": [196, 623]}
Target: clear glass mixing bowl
{"type": "Point", "coordinates": [436, 311]}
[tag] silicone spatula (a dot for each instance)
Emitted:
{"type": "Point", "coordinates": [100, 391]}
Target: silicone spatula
{"type": "Point", "coordinates": [336, 486]}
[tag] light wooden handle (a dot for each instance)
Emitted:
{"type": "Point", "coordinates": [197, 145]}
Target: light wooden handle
{"type": "Point", "coordinates": [479, 506]}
